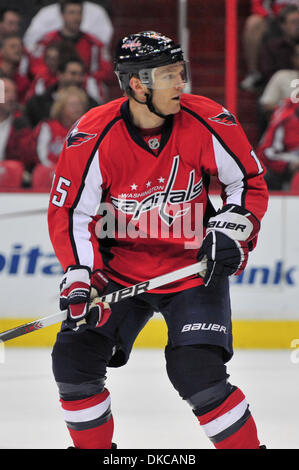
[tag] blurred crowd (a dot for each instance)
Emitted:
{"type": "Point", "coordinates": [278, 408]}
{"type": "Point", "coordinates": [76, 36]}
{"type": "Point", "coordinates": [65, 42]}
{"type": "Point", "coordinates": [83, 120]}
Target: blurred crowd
{"type": "Point", "coordinates": [55, 64]}
{"type": "Point", "coordinates": [271, 51]}
{"type": "Point", "coordinates": [51, 73]}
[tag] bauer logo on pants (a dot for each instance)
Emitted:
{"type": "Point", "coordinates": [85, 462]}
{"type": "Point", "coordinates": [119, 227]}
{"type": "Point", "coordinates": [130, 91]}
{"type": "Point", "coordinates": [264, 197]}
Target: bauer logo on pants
{"type": "Point", "coordinates": [205, 327]}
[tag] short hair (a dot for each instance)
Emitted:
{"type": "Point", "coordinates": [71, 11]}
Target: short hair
{"type": "Point", "coordinates": [53, 45]}
{"type": "Point", "coordinates": [61, 98]}
{"type": "Point", "coordinates": [64, 3]}
{"type": "Point", "coordinates": [62, 65]}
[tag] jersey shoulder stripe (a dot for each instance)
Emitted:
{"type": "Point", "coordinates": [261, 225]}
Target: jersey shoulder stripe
{"type": "Point", "coordinates": [207, 113]}
{"type": "Point", "coordinates": [204, 110]}
{"type": "Point", "coordinates": [203, 118]}
{"type": "Point", "coordinates": [97, 118]}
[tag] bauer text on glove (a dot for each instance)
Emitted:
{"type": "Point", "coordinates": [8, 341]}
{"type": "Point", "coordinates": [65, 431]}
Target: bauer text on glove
{"type": "Point", "coordinates": [230, 235]}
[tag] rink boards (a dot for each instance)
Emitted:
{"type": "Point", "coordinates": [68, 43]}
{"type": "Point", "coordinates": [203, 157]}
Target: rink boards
{"type": "Point", "coordinates": [264, 298]}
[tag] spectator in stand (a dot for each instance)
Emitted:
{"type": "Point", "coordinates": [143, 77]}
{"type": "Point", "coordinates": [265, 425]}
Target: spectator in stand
{"type": "Point", "coordinates": [280, 86]}
{"type": "Point", "coordinates": [95, 21]}
{"type": "Point", "coordinates": [88, 47]}
{"type": "Point", "coordinates": [260, 23]}
{"type": "Point", "coordinates": [69, 73]}
{"type": "Point", "coordinates": [10, 25]}
{"type": "Point", "coordinates": [279, 147]}
{"type": "Point", "coordinates": [10, 22]}
{"type": "Point", "coordinates": [11, 53]}
{"type": "Point", "coordinates": [45, 73]}
{"type": "Point", "coordinates": [46, 142]}
{"type": "Point", "coordinates": [13, 126]}
{"type": "Point", "coordinates": [276, 52]}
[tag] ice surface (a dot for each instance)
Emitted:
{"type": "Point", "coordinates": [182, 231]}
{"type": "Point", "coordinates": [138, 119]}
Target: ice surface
{"type": "Point", "coordinates": [148, 412]}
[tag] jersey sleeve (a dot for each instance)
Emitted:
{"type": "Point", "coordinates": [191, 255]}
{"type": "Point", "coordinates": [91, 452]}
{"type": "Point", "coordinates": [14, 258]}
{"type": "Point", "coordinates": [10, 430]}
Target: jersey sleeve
{"type": "Point", "coordinates": [231, 158]}
{"type": "Point", "coordinates": [75, 196]}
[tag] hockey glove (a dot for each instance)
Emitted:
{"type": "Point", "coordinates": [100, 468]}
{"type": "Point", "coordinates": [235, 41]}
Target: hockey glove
{"type": "Point", "coordinates": [229, 237]}
{"type": "Point", "coordinates": [77, 289]}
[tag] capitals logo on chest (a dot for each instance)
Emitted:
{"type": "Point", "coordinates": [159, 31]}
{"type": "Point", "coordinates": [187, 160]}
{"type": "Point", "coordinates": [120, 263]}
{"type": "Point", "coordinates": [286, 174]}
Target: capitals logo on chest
{"type": "Point", "coordinates": [162, 199]}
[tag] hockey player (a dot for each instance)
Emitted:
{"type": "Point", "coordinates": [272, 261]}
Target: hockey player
{"type": "Point", "coordinates": [150, 155]}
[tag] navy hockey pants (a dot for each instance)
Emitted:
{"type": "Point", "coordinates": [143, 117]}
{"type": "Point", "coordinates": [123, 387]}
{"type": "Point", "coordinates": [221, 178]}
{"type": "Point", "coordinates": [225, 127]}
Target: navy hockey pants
{"type": "Point", "coordinates": [199, 341]}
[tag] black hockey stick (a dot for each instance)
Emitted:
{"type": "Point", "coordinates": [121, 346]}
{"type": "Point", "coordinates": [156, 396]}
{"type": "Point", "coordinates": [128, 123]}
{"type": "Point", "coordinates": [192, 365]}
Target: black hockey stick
{"type": "Point", "coordinates": [112, 298]}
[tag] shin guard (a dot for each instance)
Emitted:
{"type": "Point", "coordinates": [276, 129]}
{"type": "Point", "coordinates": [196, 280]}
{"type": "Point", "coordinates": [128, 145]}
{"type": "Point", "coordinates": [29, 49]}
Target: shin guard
{"type": "Point", "coordinates": [230, 425]}
{"type": "Point", "coordinates": [89, 421]}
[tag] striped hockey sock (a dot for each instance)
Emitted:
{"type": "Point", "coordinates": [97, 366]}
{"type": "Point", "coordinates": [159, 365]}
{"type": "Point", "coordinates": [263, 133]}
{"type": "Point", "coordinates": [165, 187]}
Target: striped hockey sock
{"type": "Point", "coordinates": [230, 425]}
{"type": "Point", "coordinates": [89, 421]}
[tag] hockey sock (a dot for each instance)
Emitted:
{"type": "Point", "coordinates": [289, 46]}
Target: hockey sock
{"type": "Point", "coordinates": [89, 421]}
{"type": "Point", "coordinates": [230, 425]}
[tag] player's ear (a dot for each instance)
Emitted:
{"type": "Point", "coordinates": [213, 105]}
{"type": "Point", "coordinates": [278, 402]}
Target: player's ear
{"type": "Point", "coordinates": [137, 86]}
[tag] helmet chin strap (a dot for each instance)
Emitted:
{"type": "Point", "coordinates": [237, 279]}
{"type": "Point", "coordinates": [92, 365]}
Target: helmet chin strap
{"type": "Point", "coordinates": [149, 103]}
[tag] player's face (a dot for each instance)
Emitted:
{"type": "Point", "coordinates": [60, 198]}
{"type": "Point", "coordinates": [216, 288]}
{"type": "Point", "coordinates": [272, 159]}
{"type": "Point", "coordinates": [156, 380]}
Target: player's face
{"type": "Point", "coordinates": [169, 76]}
{"type": "Point", "coordinates": [169, 83]}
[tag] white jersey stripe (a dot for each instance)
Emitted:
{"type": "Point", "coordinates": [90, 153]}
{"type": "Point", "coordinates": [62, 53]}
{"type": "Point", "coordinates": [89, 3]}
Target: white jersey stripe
{"type": "Point", "coordinates": [43, 143]}
{"type": "Point", "coordinates": [223, 422]}
{"type": "Point", "coordinates": [277, 145]}
{"type": "Point", "coordinates": [87, 206]}
{"type": "Point", "coordinates": [88, 414]}
{"type": "Point", "coordinates": [229, 173]}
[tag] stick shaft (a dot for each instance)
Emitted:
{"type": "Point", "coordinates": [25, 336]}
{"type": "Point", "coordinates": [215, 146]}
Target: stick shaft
{"type": "Point", "coordinates": [112, 298]}
{"type": "Point", "coordinates": [33, 326]}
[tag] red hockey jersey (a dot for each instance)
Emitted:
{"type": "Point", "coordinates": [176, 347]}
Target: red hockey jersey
{"type": "Point", "coordinates": [280, 143]}
{"type": "Point", "coordinates": [109, 174]}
